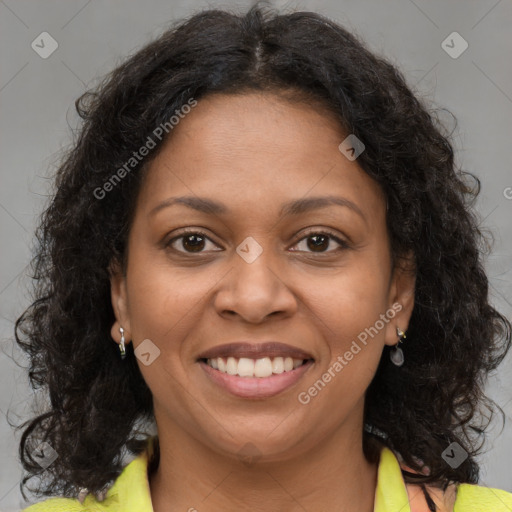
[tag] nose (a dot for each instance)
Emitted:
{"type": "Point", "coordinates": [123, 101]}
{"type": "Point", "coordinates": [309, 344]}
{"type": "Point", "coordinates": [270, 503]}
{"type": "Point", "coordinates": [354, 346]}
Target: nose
{"type": "Point", "coordinates": [255, 290]}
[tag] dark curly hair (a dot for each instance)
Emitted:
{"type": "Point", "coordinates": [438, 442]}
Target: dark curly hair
{"type": "Point", "coordinates": [100, 406]}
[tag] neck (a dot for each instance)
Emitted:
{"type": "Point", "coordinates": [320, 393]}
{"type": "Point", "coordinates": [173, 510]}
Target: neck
{"type": "Point", "coordinates": [334, 475]}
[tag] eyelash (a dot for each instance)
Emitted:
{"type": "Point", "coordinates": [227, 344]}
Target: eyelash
{"type": "Point", "coordinates": [343, 244]}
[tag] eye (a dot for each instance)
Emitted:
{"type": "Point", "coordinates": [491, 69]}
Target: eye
{"type": "Point", "coordinates": [193, 241]}
{"type": "Point", "coordinates": [321, 240]}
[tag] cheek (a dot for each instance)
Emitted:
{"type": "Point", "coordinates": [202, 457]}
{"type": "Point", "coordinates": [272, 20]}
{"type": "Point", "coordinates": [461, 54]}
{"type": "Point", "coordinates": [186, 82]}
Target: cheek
{"type": "Point", "coordinates": [167, 306]}
{"type": "Point", "coordinates": [348, 303]}
{"type": "Point", "coordinates": [347, 315]}
{"type": "Point", "coordinates": [164, 301]}
{"type": "Point", "coordinates": [164, 307]}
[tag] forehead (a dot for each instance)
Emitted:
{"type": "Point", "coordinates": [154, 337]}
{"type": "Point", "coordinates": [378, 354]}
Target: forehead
{"type": "Point", "coordinates": [254, 150]}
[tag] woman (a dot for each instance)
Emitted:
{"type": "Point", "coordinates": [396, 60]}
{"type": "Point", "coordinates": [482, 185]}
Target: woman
{"type": "Point", "coordinates": [272, 230]}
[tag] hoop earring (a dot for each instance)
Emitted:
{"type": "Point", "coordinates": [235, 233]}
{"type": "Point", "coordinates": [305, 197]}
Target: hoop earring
{"type": "Point", "coordinates": [121, 345]}
{"type": "Point", "coordinates": [397, 354]}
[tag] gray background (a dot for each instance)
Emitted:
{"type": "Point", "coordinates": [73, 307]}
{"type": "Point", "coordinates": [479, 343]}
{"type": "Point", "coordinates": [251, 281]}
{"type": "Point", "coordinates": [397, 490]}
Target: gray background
{"type": "Point", "coordinates": [37, 111]}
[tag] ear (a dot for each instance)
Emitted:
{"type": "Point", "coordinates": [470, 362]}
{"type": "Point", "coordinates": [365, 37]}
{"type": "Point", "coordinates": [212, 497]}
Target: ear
{"type": "Point", "coordinates": [401, 296]}
{"type": "Point", "coordinates": [119, 302]}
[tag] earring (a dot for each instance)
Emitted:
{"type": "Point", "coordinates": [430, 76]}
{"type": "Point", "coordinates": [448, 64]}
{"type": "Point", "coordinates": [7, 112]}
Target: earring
{"type": "Point", "coordinates": [121, 345]}
{"type": "Point", "coordinates": [397, 354]}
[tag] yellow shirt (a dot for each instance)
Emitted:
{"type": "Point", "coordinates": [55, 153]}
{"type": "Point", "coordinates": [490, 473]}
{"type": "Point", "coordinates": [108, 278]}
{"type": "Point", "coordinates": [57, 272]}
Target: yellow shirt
{"type": "Point", "coordinates": [131, 493]}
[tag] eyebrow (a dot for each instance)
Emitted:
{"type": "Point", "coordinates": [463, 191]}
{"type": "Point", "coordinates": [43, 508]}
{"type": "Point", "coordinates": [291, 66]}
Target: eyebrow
{"type": "Point", "coordinates": [295, 207]}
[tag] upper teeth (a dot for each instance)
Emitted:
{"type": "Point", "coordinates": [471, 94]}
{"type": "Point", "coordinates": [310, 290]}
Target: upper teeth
{"type": "Point", "coordinates": [245, 367]}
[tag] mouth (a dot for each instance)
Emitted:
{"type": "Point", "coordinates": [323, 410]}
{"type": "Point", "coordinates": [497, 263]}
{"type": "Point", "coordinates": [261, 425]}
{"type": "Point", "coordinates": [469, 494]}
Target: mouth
{"type": "Point", "coordinates": [255, 370]}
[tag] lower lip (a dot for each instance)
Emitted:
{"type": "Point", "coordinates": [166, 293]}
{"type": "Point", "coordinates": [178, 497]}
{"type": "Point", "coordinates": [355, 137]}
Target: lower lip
{"type": "Point", "coordinates": [256, 387]}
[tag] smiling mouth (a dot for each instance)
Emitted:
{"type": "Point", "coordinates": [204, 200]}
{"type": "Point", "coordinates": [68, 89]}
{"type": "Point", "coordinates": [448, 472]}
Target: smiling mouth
{"type": "Point", "coordinates": [254, 368]}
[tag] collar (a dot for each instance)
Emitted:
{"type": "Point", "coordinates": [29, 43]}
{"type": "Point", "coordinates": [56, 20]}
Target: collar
{"type": "Point", "coordinates": [391, 493]}
{"type": "Point", "coordinates": [132, 485]}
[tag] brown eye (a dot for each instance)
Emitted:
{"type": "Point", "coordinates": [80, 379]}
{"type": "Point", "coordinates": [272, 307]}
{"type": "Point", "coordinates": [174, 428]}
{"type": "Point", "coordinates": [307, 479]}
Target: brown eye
{"type": "Point", "coordinates": [319, 241]}
{"type": "Point", "coordinates": [191, 242]}
{"type": "Point", "coordinates": [194, 242]}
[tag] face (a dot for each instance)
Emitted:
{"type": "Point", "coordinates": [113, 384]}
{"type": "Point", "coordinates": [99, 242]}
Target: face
{"type": "Point", "coordinates": [314, 275]}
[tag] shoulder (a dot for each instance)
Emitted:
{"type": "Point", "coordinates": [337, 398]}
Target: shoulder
{"type": "Point", "coordinates": [57, 505]}
{"type": "Point", "coordinates": [90, 504]}
{"type": "Point", "coordinates": [131, 487]}
{"type": "Point", "coordinates": [476, 498]}
{"type": "Point", "coordinates": [462, 497]}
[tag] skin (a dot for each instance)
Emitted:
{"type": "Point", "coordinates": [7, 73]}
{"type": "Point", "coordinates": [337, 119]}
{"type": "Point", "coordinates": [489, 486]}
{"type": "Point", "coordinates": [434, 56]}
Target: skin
{"type": "Point", "coordinates": [254, 152]}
